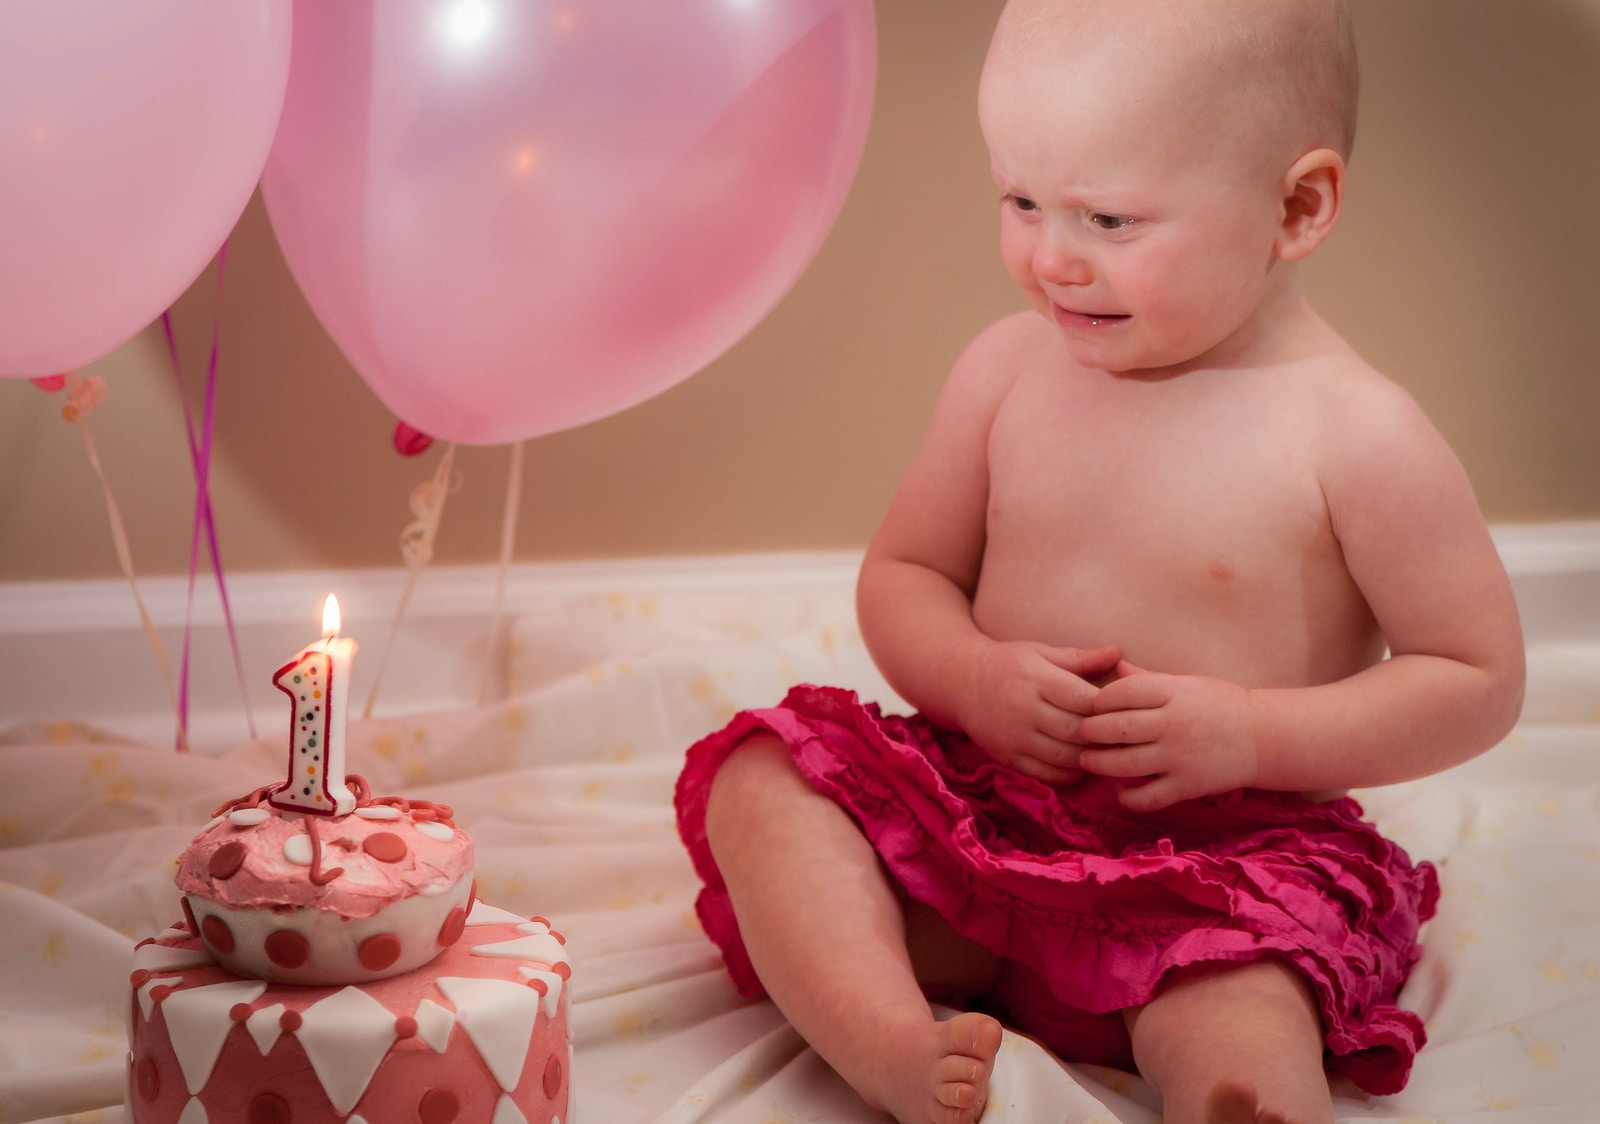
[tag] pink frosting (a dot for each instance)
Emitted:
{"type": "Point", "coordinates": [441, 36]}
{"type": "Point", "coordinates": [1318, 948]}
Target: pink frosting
{"type": "Point", "coordinates": [369, 876]}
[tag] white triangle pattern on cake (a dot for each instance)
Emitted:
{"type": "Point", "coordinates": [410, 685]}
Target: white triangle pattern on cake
{"type": "Point", "coordinates": [264, 1026]}
{"type": "Point", "coordinates": [346, 1037]}
{"type": "Point", "coordinates": [194, 1113]}
{"type": "Point", "coordinates": [552, 988]}
{"type": "Point", "coordinates": [499, 1017]}
{"type": "Point", "coordinates": [147, 1002]}
{"type": "Point", "coordinates": [507, 1112]}
{"type": "Point", "coordinates": [486, 914]}
{"type": "Point", "coordinates": [543, 948]}
{"type": "Point", "coordinates": [161, 958]}
{"type": "Point", "coordinates": [434, 1024]}
{"type": "Point", "coordinates": [199, 1019]}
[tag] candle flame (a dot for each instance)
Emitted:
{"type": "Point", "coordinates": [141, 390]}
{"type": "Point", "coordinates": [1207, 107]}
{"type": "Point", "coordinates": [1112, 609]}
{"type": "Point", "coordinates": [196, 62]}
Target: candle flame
{"type": "Point", "coordinates": [330, 616]}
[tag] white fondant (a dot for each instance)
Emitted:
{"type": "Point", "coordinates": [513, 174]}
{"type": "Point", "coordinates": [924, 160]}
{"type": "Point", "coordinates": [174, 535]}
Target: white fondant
{"type": "Point", "coordinates": [486, 914]}
{"type": "Point", "coordinates": [198, 1019]}
{"type": "Point", "coordinates": [434, 1024]}
{"type": "Point", "coordinates": [435, 830]}
{"type": "Point", "coordinates": [499, 1017]}
{"type": "Point", "coordinates": [173, 933]}
{"type": "Point", "coordinates": [545, 949]}
{"type": "Point", "coordinates": [264, 1027]}
{"type": "Point", "coordinates": [335, 941]}
{"type": "Point", "coordinates": [161, 958]}
{"type": "Point", "coordinates": [533, 928]}
{"type": "Point", "coordinates": [355, 1120]}
{"type": "Point", "coordinates": [297, 849]}
{"type": "Point", "coordinates": [378, 812]}
{"type": "Point", "coordinates": [506, 1112]}
{"type": "Point", "coordinates": [147, 1004]}
{"type": "Point", "coordinates": [552, 988]}
{"type": "Point", "coordinates": [248, 817]}
{"type": "Point", "coordinates": [346, 1036]}
{"type": "Point", "coordinates": [211, 823]}
{"type": "Point", "coordinates": [193, 1113]}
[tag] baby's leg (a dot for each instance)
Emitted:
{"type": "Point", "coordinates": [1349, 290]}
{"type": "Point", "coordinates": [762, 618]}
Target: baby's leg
{"type": "Point", "coordinates": [1234, 1044]}
{"type": "Point", "coordinates": [828, 938]}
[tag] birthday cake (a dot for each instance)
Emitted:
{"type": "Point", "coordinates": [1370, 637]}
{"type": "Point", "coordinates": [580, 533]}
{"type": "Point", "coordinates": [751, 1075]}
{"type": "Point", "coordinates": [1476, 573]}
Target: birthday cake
{"type": "Point", "coordinates": [336, 966]}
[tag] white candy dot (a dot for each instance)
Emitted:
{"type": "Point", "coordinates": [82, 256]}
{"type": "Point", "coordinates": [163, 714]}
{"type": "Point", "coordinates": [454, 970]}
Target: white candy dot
{"type": "Point", "coordinates": [378, 812]}
{"type": "Point", "coordinates": [297, 849]}
{"type": "Point", "coordinates": [248, 817]}
{"type": "Point", "coordinates": [435, 831]}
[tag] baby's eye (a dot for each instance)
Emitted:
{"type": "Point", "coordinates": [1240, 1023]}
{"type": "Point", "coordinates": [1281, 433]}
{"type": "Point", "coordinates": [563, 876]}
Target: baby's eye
{"type": "Point", "coordinates": [1021, 203]}
{"type": "Point", "coordinates": [1109, 222]}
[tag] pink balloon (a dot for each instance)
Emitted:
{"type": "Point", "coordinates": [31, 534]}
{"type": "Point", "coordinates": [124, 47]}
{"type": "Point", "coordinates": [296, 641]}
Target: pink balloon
{"type": "Point", "coordinates": [132, 133]}
{"type": "Point", "coordinates": [516, 216]}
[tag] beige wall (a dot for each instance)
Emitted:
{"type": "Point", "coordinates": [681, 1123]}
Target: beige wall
{"type": "Point", "coordinates": [1466, 268]}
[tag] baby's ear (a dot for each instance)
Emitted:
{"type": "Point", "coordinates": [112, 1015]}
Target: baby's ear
{"type": "Point", "coordinates": [1313, 192]}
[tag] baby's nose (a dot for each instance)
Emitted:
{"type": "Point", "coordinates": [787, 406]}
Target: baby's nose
{"type": "Point", "coordinates": [1057, 262]}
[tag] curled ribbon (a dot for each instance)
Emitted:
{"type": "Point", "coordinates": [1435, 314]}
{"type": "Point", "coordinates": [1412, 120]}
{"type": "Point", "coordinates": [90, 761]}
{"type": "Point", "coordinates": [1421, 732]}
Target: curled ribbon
{"type": "Point", "coordinates": [416, 549]}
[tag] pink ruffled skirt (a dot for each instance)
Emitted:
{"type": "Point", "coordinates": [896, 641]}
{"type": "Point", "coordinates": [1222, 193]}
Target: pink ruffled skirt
{"type": "Point", "coordinates": [1090, 905]}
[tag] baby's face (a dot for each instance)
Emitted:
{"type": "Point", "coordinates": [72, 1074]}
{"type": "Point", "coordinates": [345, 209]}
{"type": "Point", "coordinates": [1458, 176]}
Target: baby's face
{"type": "Point", "coordinates": [1139, 212]}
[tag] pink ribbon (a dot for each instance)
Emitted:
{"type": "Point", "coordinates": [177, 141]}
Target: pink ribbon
{"type": "Point", "coordinates": [200, 454]}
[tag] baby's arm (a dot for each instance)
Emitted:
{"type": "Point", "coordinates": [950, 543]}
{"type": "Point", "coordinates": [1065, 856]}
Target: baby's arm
{"type": "Point", "coordinates": [1416, 545]}
{"type": "Point", "coordinates": [1020, 701]}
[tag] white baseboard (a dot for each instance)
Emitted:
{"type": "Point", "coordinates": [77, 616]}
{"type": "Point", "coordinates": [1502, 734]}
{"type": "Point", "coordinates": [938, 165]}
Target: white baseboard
{"type": "Point", "coordinates": [75, 650]}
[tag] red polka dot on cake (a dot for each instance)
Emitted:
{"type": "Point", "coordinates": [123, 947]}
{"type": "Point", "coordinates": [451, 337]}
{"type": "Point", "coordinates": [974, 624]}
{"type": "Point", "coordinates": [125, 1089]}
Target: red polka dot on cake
{"type": "Point", "coordinates": [140, 977]}
{"type": "Point", "coordinates": [217, 934]}
{"type": "Point", "coordinates": [455, 923]}
{"type": "Point", "coordinates": [268, 1108]}
{"type": "Point", "coordinates": [160, 992]}
{"type": "Point", "coordinates": [539, 985]}
{"type": "Point", "coordinates": [287, 948]}
{"type": "Point", "coordinates": [552, 1077]}
{"type": "Point", "coordinates": [385, 846]}
{"type": "Point", "coordinates": [564, 970]}
{"type": "Point", "coordinates": [239, 1012]}
{"type": "Point", "coordinates": [226, 860]}
{"type": "Point", "coordinates": [438, 1106]}
{"type": "Point", "coordinates": [377, 953]}
{"type": "Point", "coordinates": [147, 1079]}
{"type": "Point", "coordinates": [405, 1027]}
{"type": "Point", "coordinates": [290, 1021]}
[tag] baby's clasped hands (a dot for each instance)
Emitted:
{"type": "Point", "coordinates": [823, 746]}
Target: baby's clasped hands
{"type": "Point", "coordinates": [1192, 735]}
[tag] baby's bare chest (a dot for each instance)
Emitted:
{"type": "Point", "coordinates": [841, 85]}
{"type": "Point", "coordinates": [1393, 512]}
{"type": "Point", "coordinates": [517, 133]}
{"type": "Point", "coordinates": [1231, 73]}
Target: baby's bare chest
{"type": "Point", "coordinates": [1189, 528]}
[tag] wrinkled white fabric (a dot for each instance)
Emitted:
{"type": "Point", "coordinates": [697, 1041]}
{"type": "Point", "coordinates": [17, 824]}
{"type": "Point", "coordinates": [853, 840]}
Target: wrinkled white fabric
{"type": "Point", "coordinates": [567, 790]}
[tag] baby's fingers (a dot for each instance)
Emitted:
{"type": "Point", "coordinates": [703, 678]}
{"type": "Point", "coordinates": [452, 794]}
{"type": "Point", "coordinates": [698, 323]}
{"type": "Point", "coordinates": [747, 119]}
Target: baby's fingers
{"type": "Point", "coordinates": [1133, 761]}
{"type": "Point", "coordinates": [1121, 727]}
{"type": "Point", "coordinates": [1152, 797]}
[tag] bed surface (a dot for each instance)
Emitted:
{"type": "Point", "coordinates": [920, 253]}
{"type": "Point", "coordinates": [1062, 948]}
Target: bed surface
{"type": "Point", "coordinates": [566, 788]}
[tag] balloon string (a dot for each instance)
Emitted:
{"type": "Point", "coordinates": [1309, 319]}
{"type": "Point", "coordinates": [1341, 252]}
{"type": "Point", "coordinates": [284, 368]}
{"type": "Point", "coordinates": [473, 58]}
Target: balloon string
{"type": "Point", "coordinates": [83, 394]}
{"type": "Point", "coordinates": [498, 645]}
{"type": "Point", "coordinates": [416, 549]}
{"type": "Point", "coordinates": [200, 456]}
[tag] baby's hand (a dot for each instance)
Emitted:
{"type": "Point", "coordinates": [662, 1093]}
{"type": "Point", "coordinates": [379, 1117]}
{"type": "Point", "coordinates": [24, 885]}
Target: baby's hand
{"type": "Point", "coordinates": [1027, 701]}
{"type": "Point", "coordinates": [1190, 734]}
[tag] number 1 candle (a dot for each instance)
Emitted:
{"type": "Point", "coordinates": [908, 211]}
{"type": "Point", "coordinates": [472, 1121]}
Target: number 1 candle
{"type": "Point", "coordinates": [317, 682]}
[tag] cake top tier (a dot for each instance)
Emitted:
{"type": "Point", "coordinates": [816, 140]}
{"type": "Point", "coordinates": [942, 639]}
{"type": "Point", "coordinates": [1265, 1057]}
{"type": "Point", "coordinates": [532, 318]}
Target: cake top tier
{"type": "Point", "coordinates": [255, 856]}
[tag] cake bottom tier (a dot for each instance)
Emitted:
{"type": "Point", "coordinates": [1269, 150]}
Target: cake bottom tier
{"type": "Point", "coordinates": [478, 1035]}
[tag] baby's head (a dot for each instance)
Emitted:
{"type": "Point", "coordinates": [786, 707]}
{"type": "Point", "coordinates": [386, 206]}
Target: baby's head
{"type": "Point", "coordinates": [1163, 161]}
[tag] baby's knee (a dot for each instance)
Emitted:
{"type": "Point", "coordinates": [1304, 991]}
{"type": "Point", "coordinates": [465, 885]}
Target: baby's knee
{"type": "Point", "coordinates": [758, 771]}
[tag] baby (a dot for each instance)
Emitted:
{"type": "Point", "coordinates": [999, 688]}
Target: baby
{"type": "Point", "coordinates": [1139, 583]}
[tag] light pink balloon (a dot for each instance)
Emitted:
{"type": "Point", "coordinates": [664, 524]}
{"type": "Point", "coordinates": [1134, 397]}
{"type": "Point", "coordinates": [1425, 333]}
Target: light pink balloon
{"type": "Point", "coordinates": [132, 133]}
{"type": "Point", "coordinates": [516, 216]}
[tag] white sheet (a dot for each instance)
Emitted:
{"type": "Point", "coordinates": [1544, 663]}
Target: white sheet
{"type": "Point", "coordinates": [567, 791]}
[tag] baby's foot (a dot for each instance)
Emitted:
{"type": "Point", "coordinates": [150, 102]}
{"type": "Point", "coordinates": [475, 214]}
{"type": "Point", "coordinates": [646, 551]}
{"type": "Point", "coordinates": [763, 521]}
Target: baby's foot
{"type": "Point", "coordinates": [1233, 1103]}
{"type": "Point", "coordinates": [941, 1076]}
